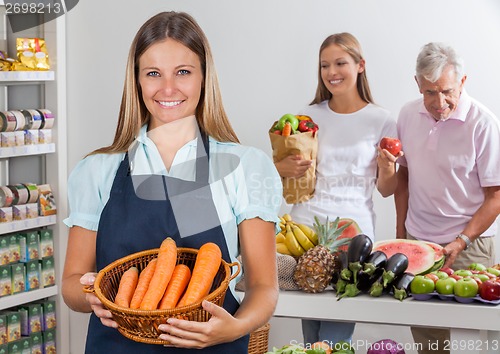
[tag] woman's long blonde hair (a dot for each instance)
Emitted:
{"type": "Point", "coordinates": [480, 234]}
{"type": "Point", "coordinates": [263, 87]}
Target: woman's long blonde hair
{"type": "Point", "coordinates": [351, 45]}
{"type": "Point", "coordinates": [210, 113]}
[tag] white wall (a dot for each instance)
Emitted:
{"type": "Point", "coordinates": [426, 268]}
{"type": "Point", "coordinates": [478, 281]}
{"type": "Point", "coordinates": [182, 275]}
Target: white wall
{"type": "Point", "coordinates": [266, 53]}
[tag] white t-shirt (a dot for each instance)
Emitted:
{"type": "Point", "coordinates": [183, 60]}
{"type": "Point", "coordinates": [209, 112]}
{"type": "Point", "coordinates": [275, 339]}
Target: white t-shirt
{"type": "Point", "coordinates": [346, 164]}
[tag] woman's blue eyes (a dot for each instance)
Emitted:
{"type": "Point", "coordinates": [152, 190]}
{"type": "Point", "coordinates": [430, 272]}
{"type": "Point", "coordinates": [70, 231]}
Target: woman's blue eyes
{"type": "Point", "coordinates": [181, 72]}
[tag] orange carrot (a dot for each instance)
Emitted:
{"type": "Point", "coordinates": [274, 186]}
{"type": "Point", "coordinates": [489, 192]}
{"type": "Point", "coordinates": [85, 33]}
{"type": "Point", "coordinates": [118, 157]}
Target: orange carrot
{"type": "Point", "coordinates": [176, 286]}
{"type": "Point", "coordinates": [205, 268]}
{"type": "Point", "coordinates": [143, 284]}
{"type": "Point", "coordinates": [126, 288]}
{"type": "Point", "coordinates": [167, 258]}
{"type": "Point", "coordinates": [287, 129]}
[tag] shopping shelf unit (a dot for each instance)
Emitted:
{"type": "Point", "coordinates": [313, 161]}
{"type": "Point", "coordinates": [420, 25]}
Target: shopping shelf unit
{"type": "Point", "coordinates": [45, 163]}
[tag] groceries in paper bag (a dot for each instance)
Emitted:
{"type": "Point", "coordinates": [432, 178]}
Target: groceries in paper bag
{"type": "Point", "coordinates": [296, 135]}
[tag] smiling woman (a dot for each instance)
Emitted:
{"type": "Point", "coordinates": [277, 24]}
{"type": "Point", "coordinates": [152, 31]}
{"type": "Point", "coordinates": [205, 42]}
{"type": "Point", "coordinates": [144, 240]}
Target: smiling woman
{"type": "Point", "coordinates": [170, 78]}
{"type": "Point", "coordinates": [161, 176]}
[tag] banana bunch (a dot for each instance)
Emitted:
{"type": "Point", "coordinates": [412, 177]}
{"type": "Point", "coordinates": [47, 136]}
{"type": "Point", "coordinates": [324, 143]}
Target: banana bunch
{"type": "Point", "coordinates": [294, 239]}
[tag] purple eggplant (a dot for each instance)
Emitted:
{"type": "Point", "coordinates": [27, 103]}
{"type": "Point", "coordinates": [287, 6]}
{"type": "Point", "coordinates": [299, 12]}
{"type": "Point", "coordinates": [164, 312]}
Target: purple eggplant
{"type": "Point", "coordinates": [396, 265]}
{"type": "Point", "coordinates": [365, 280]}
{"type": "Point", "coordinates": [374, 261]}
{"type": "Point", "coordinates": [401, 285]}
{"type": "Point", "coordinates": [359, 249]}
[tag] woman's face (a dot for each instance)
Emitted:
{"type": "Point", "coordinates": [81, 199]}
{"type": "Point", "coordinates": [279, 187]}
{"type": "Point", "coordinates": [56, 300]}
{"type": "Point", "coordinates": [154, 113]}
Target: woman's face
{"type": "Point", "coordinates": [171, 80]}
{"type": "Point", "coordinates": [339, 72]}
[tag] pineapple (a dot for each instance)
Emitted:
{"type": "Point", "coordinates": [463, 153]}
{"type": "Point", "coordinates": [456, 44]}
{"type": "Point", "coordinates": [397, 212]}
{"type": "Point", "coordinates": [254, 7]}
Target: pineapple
{"type": "Point", "coordinates": [315, 268]}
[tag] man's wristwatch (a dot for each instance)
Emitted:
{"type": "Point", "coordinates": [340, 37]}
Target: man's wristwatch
{"type": "Point", "coordinates": [466, 239]}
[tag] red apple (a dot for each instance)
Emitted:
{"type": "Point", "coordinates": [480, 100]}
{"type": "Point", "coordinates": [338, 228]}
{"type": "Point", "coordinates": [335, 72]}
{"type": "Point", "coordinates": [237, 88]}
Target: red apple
{"type": "Point", "coordinates": [393, 145]}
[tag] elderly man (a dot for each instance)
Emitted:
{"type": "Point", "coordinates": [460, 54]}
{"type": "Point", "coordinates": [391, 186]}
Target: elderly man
{"type": "Point", "coordinates": [449, 179]}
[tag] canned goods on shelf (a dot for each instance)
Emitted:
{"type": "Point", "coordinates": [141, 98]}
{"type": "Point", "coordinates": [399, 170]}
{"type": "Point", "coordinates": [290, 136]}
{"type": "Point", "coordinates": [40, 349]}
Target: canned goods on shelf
{"type": "Point", "coordinates": [32, 192]}
{"type": "Point", "coordinates": [47, 118]}
{"type": "Point", "coordinates": [33, 118]}
{"type": "Point", "coordinates": [20, 120]}
{"type": "Point", "coordinates": [20, 194]}
{"type": "Point", "coordinates": [6, 196]}
{"type": "Point", "coordinates": [9, 122]}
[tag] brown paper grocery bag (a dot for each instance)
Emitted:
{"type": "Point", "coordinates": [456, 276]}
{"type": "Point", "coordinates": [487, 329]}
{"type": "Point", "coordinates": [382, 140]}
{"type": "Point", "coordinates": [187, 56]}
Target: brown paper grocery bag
{"type": "Point", "coordinates": [296, 190]}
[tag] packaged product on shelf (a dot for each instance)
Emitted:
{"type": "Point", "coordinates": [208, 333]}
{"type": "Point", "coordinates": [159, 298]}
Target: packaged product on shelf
{"type": "Point", "coordinates": [34, 317]}
{"type": "Point", "coordinates": [8, 121]}
{"type": "Point", "coordinates": [33, 275]}
{"type": "Point", "coordinates": [46, 201]}
{"type": "Point", "coordinates": [6, 197]}
{"type": "Point", "coordinates": [32, 53]}
{"type": "Point", "coordinates": [3, 329]}
{"type": "Point", "coordinates": [32, 192]}
{"type": "Point", "coordinates": [23, 250]}
{"type": "Point", "coordinates": [18, 278]}
{"type": "Point", "coordinates": [4, 250]}
{"type": "Point", "coordinates": [46, 243]}
{"type": "Point", "coordinates": [5, 280]}
{"type": "Point", "coordinates": [23, 317]}
{"type": "Point", "coordinates": [36, 343]}
{"type": "Point", "coordinates": [49, 341]}
{"type": "Point", "coordinates": [4, 349]}
{"type": "Point", "coordinates": [20, 120]}
{"type": "Point", "coordinates": [47, 118]}
{"type": "Point", "coordinates": [8, 139]}
{"type": "Point", "coordinates": [14, 248]}
{"type": "Point", "coordinates": [19, 138]}
{"type": "Point", "coordinates": [13, 325]}
{"type": "Point", "coordinates": [6, 214]}
{"type": "Point", "coordinates": [48, 272]}
{"type": "Point", "coordinates": [20, 346]}
{"type": "Point", "coordinates": [45, 136]}
{"type": "Point", "coordinates": [32, 245]}
{"type": "Point", "coordinates": [33, 119]}
{"type": "Point", "coordinates": [19, 212]}
{"type": "Point", "coordinates": [20, 193]}
{"type": "Point", "coordinates": [31, 210]}
{"type": "Point", "coordinates": [31, 137]}
{"type": "Point", "coordinates": [49, 315]}
{"type": "Point", "coordinates": [35, 314]}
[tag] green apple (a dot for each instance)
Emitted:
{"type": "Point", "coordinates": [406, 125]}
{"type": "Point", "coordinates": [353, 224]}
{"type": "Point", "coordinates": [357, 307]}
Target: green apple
{"type": "Point", "coordinates": [463, 272]}
{"type": "Point", "coordinates": [477, 266]}
{"type": "Point", "coordinates": [493, 271]}
{"type": "Point", "coordinates": [441, 274]}
{"type": "Point", "coordinates": [446, 286]}
{"type": "Point", "coordinates": [482, 276]}
{"type": "Point", "coordinates": [422, 285]}
{"type": "Point", "coordinates": [466, 287]}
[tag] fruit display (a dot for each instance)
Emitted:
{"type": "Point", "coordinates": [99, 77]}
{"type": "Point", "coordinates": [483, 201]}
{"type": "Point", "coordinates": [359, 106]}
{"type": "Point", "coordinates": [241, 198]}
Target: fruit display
{"type": "Point", "coordinates": [423, 257]}
{"type": "Point", "coordinates": [393, 145]}
{"type": "Point", "coordinates": [315, 268]}
{"type": "Point", "coordinates": [290, 124]}
{"type": "Point", "coordinates": [294, 239]}
{"type": "Point", "coordinates": [477, 283]}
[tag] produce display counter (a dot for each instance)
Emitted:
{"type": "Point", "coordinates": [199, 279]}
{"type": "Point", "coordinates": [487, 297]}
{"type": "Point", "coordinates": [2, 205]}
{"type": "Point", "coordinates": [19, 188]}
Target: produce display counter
{"type": "Point", "coordinates": [475, 327]}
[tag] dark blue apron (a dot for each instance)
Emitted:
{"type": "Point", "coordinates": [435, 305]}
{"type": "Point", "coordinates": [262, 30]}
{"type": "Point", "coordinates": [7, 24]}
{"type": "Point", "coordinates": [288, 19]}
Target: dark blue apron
{"type": "Point", "coordinates": [135, 219]}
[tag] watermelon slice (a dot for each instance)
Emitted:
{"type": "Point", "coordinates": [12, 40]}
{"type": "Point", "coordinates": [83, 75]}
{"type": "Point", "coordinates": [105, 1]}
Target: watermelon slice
{"type": "Point", "coordinates": [439, 257]}
{"type": "Point", "coordinates": [349, 232]}
{"type": "Point", "coordinates": [421, 256]}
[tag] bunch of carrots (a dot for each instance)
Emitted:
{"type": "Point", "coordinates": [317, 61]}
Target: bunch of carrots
{"type": "Point", "coordinates": [164, 284]}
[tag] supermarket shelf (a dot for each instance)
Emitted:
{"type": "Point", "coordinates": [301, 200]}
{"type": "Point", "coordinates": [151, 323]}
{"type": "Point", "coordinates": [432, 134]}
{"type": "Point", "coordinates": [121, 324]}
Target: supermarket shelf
{"type": "Point", "coordinates": [27, 296]}
{"type": "Point", "coordinates": [12, 77]}
{"type": "Point", "coordinates": [27, 224]}
{"type": "Point", "coordinates": [26, 150]}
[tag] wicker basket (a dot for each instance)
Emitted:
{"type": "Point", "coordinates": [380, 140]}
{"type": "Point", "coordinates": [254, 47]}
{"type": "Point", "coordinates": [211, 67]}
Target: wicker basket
{"type": "Point", "coordinates": [142, 325]}
{"type": "Point", "coordinates": [259, 340]}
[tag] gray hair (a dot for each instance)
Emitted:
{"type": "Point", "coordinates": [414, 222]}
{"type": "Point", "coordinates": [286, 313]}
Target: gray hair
{"type": "Point", "coordinates": [434, 58]}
